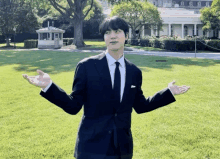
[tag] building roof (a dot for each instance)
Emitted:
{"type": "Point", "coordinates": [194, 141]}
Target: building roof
{"type": "Point", "coordinates": [177, 12]}
{"type": "Point", "coordinates": [50, 29]}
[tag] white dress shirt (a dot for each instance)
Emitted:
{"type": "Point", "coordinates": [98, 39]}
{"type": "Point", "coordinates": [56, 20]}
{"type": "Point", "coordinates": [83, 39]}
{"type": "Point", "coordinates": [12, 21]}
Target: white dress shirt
{"type": "Point", "coordinates": [111, 65]}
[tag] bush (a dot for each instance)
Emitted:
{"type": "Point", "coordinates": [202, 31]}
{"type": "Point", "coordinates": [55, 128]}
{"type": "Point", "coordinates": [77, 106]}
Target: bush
{"type": "Point", "coordinates": [30, 43]}
{"type": "Point", "coordinates": [145, 42]}
{"type": "Point", "coordinates": [156, 43]}
{"type": "Point", "coordinates": [133, 42]}
{"type": "Point", "coordinates": [68, 41]}
{"type": "Point", "coordinates": [213, 45]}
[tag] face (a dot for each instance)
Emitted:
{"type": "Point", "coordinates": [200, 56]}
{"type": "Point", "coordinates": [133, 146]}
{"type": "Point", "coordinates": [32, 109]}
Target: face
{"type": "Point", "coordinates": [115, 39]}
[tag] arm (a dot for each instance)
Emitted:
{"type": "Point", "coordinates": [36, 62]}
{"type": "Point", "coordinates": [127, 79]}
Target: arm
{"type": "Point", "coordinates": [161, 98]}
{"type": "Point", "coordinates": [72, 103]}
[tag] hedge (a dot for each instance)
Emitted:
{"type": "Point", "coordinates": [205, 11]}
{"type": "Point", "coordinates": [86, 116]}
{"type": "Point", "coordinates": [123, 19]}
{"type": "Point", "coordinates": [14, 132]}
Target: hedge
{"type": "Point", "coordinates": [31, 43]}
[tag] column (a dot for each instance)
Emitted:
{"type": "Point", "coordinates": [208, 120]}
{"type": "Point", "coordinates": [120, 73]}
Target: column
{"type": "Point", "coordinates": [195, 31]}
{"type": "Point", "coordinates": [219, 34]}
{"type": "Point", "coordinates": [143, 31]}
{"type": "Point", "coordinates": [156, 30]}
{"type": "Point", "coordinates": [129, 33]}
{"type": "Point", "coordinates": [182, 31]}
{"type": "Point", "coordinates": [169, 29]}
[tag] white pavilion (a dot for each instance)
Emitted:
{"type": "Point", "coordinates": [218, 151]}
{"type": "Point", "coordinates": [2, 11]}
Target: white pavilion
{"type": "Point", "coordinates": [50, 37]}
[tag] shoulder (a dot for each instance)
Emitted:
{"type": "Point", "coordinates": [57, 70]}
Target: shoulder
{"type": "Point", "coordinates": [133, 66]}
{"type": "Point", "coordinates": [91, 59]}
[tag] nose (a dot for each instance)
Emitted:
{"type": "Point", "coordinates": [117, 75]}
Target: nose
{"type": "Point", "coordinates": [113, 35]}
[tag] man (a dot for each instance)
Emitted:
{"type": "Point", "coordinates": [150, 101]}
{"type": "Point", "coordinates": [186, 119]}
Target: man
{"type": "Point", "coordinates": [108, 86]}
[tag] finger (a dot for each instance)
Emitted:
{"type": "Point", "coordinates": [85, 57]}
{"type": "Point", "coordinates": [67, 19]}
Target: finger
{"type": "Point", "coordinates": [40, 72]}
{"type": "Point", "coordinates": [186, 87]}
{"type": "Point", "coordinates": [173, 82]}
{"type": "Point", "coordinates": [25, 75]}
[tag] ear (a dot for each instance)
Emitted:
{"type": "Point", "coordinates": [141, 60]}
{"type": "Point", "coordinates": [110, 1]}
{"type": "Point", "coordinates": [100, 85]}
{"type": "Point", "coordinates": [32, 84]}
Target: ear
{"type": "Point", "coordinates": [126, 36]}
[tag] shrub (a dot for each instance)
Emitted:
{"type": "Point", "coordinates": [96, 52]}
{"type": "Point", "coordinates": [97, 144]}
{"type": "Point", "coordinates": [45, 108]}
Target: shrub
{"type": "Point", "coordinates": [30, 43]}
{"type": "Point", "coordinates": [145, 42]}
{"type": "Point", "coordinates": [133, 42]}
{"type": "Point", "coordinates": [213, 45]}
{"type": "Point", "coordinates": [68, 41]}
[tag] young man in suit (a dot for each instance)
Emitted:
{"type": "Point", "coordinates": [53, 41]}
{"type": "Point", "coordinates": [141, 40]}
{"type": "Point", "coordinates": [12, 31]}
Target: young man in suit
{"type": "Point", "coordinates": [108, 86]}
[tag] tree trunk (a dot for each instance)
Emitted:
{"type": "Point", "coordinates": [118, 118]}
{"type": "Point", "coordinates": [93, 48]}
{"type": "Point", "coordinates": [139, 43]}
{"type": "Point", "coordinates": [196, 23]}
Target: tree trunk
{"type": "Point", "coordinates": [134, 34]}
{"type": "Point", "coordinates": [7, 41]}
{"type": "Point", "coordinates": [78, 33]}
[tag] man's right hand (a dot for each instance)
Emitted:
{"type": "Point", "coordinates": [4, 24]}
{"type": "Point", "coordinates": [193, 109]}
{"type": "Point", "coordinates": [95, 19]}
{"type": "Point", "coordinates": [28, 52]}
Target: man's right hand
{"type": "Point", "coordinates": [42, 80]}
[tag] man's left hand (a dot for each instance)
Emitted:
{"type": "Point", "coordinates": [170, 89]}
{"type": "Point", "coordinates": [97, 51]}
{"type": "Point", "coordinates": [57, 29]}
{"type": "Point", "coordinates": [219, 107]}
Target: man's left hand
{"type": "Point", "coordinates": [177, 89]}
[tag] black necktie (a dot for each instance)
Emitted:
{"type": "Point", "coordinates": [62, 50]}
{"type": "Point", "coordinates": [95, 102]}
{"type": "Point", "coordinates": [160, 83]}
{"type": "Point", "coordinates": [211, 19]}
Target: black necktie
{"type": "Point", "coordinates": [117, 83]}
{"type": "Point", "coordinates": [116, 90]}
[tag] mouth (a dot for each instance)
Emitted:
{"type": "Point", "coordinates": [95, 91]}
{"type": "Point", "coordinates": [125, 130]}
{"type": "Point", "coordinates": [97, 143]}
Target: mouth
{"type": "Point", "coordinates": [113, 42]}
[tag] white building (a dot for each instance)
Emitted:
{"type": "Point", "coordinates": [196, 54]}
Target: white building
{"type": "Point", "coordinates": [180, 18]}
{"type": "Point", "coordinates": [50, 37]}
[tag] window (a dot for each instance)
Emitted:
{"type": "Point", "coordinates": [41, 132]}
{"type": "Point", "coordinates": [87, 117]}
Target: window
{"type": "Point", "coordinates": [48, 36]}
{"type": "Point", "coordinates": [199, 4]}
{"type": "Point", "coordinates": [60, 36]}
{"type": "Point", "coordinates": [185, 30]}
{"type": "Point", "coordinates": [171, 31]}
{"type": "Point", "coordinates": [182, 3]}
{"type": "Point", "coordinates": [207, 4]}
{"type": "Point", "coordinates": [56, 35]}
{"type": "Point", "coordinates": [191, 4]}
{"type": "Point", "coordinates": [44, 36]}
{"type": "Point", "coordinates": [52, 36]}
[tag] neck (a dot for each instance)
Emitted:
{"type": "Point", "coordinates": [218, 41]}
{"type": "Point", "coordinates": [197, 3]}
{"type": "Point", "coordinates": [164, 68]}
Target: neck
{"type": "Point", "coordinates": [116, 54]}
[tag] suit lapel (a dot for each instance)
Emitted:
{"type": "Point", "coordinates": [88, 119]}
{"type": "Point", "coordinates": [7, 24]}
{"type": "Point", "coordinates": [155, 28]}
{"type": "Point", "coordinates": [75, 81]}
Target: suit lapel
{"type": "Point", "coordinates": [105, 77]}
{"type": "Point", "coordinates": [103, 70]}
{"type": "Point", "coordinates": [128, 80]}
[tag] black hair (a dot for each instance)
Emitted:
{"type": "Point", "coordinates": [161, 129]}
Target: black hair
{"type": "Point", "coordinates": [114, 23]}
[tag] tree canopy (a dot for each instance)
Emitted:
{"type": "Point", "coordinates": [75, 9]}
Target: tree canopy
{"type": "Point", "coordinates": [16, 14]}
{"type": "Point", "coordinates": [210, 16]}
{"type": "Point", "coordinates": [138, 14]}
{"type": "Point", "coordinates": [113, 2]}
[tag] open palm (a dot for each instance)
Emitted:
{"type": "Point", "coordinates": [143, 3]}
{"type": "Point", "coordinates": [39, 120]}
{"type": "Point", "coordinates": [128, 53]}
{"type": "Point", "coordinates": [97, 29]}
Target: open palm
{"type": "Point", "coordinates": [42, 80]}
{"type": "Point", "coordinates": [177, 89]}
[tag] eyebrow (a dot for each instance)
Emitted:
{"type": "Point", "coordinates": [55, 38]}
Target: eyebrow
{"type": "Point", "coordinates": [112, 29]}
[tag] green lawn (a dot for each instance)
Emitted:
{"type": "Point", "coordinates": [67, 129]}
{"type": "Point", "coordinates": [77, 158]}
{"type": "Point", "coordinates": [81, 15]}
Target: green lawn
{"type": "Point", "coordinates": [100, 45]}
{"type": "Point", "coordinates": [32, 127]}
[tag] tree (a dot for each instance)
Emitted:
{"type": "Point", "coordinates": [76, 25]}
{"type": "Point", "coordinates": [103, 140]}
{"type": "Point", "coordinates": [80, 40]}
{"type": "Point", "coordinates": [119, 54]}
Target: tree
{"type": "Point", "coordinates": [74, 11]}
{"type": "Point", "coordinates": [91, 22]}
{"type": "Point", "coordinates": [113, 2]}
{"type": "Point", "coordinates": [138, 14]}
{"type": "Point", "coordinates": [16, 14]}
{"type": "Point", "coordinates": [210, 16]}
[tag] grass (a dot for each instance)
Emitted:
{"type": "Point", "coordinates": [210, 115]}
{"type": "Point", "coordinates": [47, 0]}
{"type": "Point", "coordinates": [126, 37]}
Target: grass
{"type": "Point", "coordinates": [145, 48]}
{"type": "Point", "coordinates": [100, 45]}
{"type": "Point", "coordinates": [163, 50]}
{"type": "Point", "coordinates": [32, 127]}
{"type": "Point", "coordinates": [18, 45]}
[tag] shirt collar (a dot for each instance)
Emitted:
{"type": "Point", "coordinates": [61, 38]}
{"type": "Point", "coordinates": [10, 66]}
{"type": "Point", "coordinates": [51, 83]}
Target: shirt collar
{"type": "Point", "coordinates": [112, 61]}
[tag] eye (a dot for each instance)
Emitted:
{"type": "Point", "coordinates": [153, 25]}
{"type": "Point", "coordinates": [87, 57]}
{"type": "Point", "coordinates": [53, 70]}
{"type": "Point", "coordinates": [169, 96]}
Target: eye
{"type": "Point", "coordinates": [107, 32]}
{"type": "Point", "coordinates": [118, 31]}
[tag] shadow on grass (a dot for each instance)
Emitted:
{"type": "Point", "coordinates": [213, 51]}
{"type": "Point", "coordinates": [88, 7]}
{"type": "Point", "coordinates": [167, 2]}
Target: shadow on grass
{"type": "Point", "coordinates": [53, 62]}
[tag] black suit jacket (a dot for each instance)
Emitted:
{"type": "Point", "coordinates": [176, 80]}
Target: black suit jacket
{"type": "Point", "coordinates": [92, 89]}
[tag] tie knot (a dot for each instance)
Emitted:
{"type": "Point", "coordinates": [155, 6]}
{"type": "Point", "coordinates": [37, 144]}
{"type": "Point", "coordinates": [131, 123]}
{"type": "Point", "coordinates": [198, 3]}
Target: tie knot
{"type": "Point", "coordinates": [117, 64]}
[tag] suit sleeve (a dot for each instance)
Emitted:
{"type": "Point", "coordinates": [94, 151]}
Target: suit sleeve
{"type": "Point", "coordinates": [161, 98]}
{"type": "Point", "coordinates": [72, 103]}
